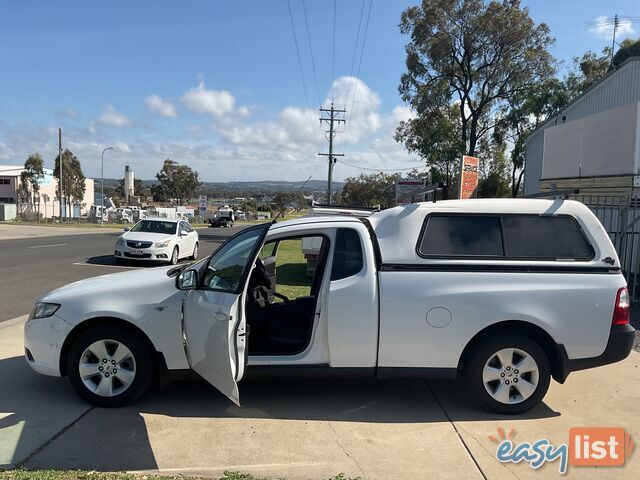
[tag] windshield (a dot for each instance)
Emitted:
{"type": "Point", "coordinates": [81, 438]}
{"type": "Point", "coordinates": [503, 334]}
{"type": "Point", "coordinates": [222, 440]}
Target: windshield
{"type": "Point", "coordinates": [155, 226]}
{"type": "Point", "coordinates": [226, 268]}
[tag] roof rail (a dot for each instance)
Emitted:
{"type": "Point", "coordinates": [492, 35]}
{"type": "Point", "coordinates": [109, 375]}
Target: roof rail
{"type": "Point", "coordinates": [375, 208]}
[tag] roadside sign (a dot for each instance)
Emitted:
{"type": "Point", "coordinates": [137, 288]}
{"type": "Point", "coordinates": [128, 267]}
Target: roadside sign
{"type": "Point", "coordinates": [469, 177]}
{"type": "Point", "coordinates": [407, 189]}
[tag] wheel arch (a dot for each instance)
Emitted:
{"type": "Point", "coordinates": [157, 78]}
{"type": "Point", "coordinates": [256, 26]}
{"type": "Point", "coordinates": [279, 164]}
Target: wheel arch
{"type": "Point", "coordinates": [555, 352]}
{"type": "Point", "coordinates": [85, 326]}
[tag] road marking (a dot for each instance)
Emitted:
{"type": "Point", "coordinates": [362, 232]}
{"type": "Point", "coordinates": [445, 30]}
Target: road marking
{"type": "Point", "coordinates": [53, 245]}
{"type": "Point", "coordinates": [106, 266]}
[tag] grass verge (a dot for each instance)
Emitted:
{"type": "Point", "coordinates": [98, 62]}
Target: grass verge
{"type": "Point", "coordinates": [22, 474]}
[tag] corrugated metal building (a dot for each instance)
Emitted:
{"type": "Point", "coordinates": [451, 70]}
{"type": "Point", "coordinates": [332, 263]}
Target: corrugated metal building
{"type": "Point", "coordinates": [594, 143]}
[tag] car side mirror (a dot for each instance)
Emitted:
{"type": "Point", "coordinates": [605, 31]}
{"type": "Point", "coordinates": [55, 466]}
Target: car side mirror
{"type": "Point", "coordinates": [126, 229]}
{"type": "Point", "coordinates": [183, 233]}
{"type": "Point", "coordinates": [187, 280]}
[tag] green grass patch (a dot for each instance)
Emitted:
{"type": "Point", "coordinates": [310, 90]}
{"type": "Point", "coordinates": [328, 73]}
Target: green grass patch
{"type": "Point", "coordinates": [22, 474]}
{"type": "Point", "coordinates": [291, 268]}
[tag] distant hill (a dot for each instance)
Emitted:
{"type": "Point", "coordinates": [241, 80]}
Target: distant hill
{"type": "Point", "coordinates": [264, 186]}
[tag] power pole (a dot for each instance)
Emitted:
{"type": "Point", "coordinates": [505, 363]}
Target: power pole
{"type": "Point", "coordinates": [616, 24]}
{"type": "Point", "coordinates": [60, 172]}
{"type": "Point", "coordinates": [331, 120]}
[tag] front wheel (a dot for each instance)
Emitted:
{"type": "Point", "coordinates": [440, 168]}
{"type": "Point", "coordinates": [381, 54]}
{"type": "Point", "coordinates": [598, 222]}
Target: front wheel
{"type": "Point", "coordinates": [110, 366]}
{"type": "Point", "coordinates": [508, 373]}
{"type": "Point", "coordinates": [174, 256]}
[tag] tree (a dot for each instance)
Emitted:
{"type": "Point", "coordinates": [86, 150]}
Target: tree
{"type": "Point", "coordinates": [587, 70]}
{"type": "Point", "coordinates": [281, 200]}
{"type": "Point", "coordinates": [441, 147]}
{"type": "Point", "coordinates": [370, 190]}
{"type": "Point", "coordinates": [177, 181]}
{"type": "Point", "coordinates": [628, 48]}
{"type": "Point", "coordinates": [479, 54]}
{"type": "Point", "coordinates": [33, 174]}
{"type": "Point", "coordinates": [73, 180]}
{"type": "Point", "coordinates": [522, 116]}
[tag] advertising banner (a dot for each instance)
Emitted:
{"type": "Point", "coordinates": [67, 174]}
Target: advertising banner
{"type": "Point", "coordinates": [469, 177]}
{"type": "Point", "coordinates": [407, 189]}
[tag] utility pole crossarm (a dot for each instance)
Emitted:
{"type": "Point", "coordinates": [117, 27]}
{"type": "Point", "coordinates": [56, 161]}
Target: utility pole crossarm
{"type": "Point", "coordinates": [330, 120]}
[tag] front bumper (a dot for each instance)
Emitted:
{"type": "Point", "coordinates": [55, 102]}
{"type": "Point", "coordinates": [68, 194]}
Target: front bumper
{"type": "Point", "coordinates": [43, 340]}
{"type": "Point", "coordinates": [618, 348]}
{"type": "Point", "coordinates": [148, 254]}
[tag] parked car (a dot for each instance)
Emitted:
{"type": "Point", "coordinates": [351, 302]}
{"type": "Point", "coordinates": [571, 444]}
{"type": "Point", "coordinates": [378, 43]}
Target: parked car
{"type": "Point", "coordinates": [158, 240]}
{"type": "Point", "coordinates": [505, 293]}
{"type": "Point", "coordinates": [224, 218]}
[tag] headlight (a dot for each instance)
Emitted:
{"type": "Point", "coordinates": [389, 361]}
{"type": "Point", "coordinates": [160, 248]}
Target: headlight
{"type": "Point", "coordinates": [43, 310]}
{"type": "Point", "coordinates": [120, 241]}
{"type": "Point", "coordinates": [163, 244]}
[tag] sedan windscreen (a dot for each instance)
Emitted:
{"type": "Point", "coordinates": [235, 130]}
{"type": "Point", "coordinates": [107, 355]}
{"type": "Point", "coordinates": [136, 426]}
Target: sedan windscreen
{"type": "Point", "coordinates": [152, 226]}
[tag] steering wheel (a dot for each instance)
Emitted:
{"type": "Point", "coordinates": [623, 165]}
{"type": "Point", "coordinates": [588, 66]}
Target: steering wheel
{"type": "Point", "coordinates": [262, 276]}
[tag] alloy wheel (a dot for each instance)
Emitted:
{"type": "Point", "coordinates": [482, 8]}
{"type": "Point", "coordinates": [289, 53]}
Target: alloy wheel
{"type": "Point", "coordinates": [107, 368]}
{"type": "Point", "coordinates": [510, 376]}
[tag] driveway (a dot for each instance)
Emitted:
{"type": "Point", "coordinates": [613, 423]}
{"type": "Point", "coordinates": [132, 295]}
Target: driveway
{"type": "Point", "coordinates": [300, 429]}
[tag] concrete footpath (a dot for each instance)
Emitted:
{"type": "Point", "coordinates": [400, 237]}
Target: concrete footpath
{"type": "Point", "coordinates": [301, 429]}
{"type": "Point", "coordinates": [10, 231]}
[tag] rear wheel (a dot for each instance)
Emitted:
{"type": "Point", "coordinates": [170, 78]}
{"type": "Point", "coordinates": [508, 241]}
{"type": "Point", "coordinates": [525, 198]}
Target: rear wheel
{"type": "Point", "coordinates": [194, 255]}
{"type": "Point", "coordinates": [110, 366]}
{"type": "Point", "coordinates": [508, 373]}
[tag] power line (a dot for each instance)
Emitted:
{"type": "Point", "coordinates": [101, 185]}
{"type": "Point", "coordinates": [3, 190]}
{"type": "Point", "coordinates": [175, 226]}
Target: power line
{"type": "Point", "coordinates": [364, 41]}
{"type": "Point", "coordinates": [304, 83]}
{"type": "Point", "coordinates": [333, 55]}
{"type": "Point", "coordinates": [355, 47]}
{"type": "Point", "coordinates": [381, 169]}
{"type": "Point", "coordinates": [313, 63]}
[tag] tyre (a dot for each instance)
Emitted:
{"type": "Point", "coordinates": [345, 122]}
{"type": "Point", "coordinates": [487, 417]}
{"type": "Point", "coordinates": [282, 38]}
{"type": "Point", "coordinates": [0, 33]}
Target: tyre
{"type": "Point", "coordinates": [508, 373]}
{"type": "Point", "coordinates": [194, 255]}
{"type": "Point", "coordinates": [110, 366]}
{"type": "Point", "coordinates": [174, 256]}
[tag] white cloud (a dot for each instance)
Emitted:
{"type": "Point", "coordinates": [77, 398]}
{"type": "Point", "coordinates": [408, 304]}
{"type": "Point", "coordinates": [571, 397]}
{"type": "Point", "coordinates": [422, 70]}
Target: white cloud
{"type": "Point", "coordinates": [603, 29]}
{"type": "Point", "coordinates": [230, 145]}
{"type": "Point", "coordinates": [362, 107]}
{"type": "Point", "coordinates": [121, 147]}
{"type": "Point", "coordinates": [164, 108]}
{"type": "Point", "coordinates": [214, 102]}
{"type": "Point", "coordinates": [112, 117]}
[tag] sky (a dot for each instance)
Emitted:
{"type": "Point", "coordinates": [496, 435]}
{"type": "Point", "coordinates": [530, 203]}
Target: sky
{"type": "Point", "coordinates": [217, 85]}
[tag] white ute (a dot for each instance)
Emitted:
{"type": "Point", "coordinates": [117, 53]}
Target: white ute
{"type": "Point", "coordinates": [505, 293]}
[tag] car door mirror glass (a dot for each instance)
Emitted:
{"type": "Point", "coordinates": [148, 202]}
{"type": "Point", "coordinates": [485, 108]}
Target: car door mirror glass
{"type": "Point", "coordinates": [187, 280]}
{"type": "Point", "coordinates": [126, 229]}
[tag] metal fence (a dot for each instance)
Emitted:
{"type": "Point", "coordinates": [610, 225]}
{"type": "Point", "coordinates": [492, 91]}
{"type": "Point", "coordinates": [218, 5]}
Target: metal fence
{"type": "Point", "coordinates": [620, 217]}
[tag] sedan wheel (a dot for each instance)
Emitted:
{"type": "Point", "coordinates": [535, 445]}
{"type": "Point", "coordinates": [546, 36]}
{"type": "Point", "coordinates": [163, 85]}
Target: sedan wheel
{"type": "Point", "coordinates": [508, 373]}
{"type": "Point", "coordinates": [107, 368]}
{"type": "Point", "coordinates": [110, 365]}
{"type": "Point", "coordinates": [194, 256]}
{"type": "Point", "coordinates": [174, 256]}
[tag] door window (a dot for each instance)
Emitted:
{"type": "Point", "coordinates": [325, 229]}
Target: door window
{"type": "Point", "coordinates": [347, 256]}
{"type": "Point", "coordinates": [229, 265]}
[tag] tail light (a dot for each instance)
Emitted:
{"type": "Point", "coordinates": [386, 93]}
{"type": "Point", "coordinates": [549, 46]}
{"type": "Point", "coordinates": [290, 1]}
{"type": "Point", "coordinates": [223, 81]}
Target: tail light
{"type": "Point", "coordinates": [621, 308]}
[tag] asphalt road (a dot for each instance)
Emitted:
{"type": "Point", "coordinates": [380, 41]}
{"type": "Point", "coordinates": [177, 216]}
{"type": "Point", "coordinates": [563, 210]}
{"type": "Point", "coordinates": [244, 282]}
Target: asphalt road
{"type": "Point", "coordinates": [31, 267]}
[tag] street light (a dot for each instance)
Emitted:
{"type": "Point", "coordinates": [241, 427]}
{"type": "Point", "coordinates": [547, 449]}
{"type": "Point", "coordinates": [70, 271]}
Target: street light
{"type": "Point", "coordinates": [102, 186]}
